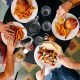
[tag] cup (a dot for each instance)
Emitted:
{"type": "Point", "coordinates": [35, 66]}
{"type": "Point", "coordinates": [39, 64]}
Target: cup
{"type": "Point", "coordinates": [34, 28]}
{"type": "Point", "coordinates": [45, 10]}
{"type": "Point", "coordinates": [46, 26]}
{"type": "Point", "coordinates": [27, 44]}
{"type": "Point", "coordinates": [27, 41]}
{"type": "Point", "coordinates": [19, 56]}
{"type": "Point", "coordinates": [38, 40]}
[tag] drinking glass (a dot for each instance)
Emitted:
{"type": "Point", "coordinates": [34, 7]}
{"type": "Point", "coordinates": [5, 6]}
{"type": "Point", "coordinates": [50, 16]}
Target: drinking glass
{"type": "Point", "coordinates": [45, 10]}
{"type": "Point", "coordinates": [46, 26]}
{"type": "Point", "coordinates": [38, 40]}
{"type": "Point", "coordinates": [19, 56]}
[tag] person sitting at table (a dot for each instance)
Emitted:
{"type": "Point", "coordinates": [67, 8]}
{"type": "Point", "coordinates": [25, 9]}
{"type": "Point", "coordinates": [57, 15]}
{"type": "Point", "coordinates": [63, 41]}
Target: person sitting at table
{"type": "Point", "coordinates": [9, 68]}
{"type": "Point", "coordinates": [65, 7]}
{"type": "Point", "coordinates": [62, 11]}
{"type": "Point", "coordinates": [8, 58]}
{"type": "Point", "coordinates": [62, 73]}
{"type": "Point", "coordinates": [4, 28]}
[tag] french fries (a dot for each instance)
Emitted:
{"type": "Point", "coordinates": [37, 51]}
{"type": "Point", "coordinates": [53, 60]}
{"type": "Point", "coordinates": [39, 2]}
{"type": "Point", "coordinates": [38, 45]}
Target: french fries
{"type": "Point", "coordinates": [19, 34]}
{"type": "Point", "coordinates": [62, 31]}
{"type": "Point", "coordinates": [23, 9]}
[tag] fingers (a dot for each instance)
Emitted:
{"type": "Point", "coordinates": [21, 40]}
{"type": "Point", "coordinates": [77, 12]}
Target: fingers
{"type": "Point", "coordinates": [64, 15]}
{"type": "Point", "coordinates": [7, 27]}
{"type": "Point", "coordinates": [56, 45]}
{"type": "Point", "coordinates": [60, 57]}
{"type": "Point", "coordinates": [49, 46]}
{"type": "Point", "coordinates": [60, 12]}
{"type": "Point", "coordinates": [7, 31]}
{"type": "Point", "coordinates": [43, 70]}
{"type": "Point", "coordinates": [11, 31]}
{"type": "Point", "coordinates": [9, 24]}
{"type": "Point", "coordinates": [9, 34]}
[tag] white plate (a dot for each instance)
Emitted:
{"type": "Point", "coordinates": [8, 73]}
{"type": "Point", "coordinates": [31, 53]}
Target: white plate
{"type": "Point", "coordinates": [49, 67]}
{"type": "Point", "coordinates": [34, 13]}
{"type": "Point", "coordinates": [72, 34]}
{"type": "Point", "coordinates": [24, 30]}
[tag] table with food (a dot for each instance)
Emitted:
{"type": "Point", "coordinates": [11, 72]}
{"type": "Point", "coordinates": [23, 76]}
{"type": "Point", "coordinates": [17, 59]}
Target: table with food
{"type": "Point", "coordinates": [36, 26]}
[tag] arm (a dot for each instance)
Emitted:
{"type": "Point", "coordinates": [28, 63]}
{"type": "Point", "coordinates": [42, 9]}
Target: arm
{"type": "Point", "coordinates": [9, 69]}
{"type": "Point", "coordinates": [40, 74]}
{"type": "Point", "coordinates": [68, 63]}
{"type": "Point", "coordinates": [65, 7]}
{"type": "Point", "coordinates": [74, 1]}
{"type": "Point", "coordinates": [76, 65]}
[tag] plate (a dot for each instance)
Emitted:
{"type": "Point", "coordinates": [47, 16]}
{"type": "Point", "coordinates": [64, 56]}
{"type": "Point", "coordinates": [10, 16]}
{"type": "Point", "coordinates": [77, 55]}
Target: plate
{"type": "Point", "coordinates": [34, 13]}
{"type": "Point", "coordinates": [72, 34]}
{"type": "Point", "coordinates": [49, 67]}
{"type": "Point", "coordinates": [24, 30]}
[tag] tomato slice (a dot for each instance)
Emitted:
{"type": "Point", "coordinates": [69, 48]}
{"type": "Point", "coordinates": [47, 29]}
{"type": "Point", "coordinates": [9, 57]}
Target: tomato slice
{"type": "Point", "coordinates": [39, 56]}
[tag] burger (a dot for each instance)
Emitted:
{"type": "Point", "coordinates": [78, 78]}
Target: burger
{"type": "Point", "coordinates": [71, 23]}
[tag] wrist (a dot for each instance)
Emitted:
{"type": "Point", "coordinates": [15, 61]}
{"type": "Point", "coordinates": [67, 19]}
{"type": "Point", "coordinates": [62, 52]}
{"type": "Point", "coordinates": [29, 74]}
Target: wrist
{"type": "Point", "coordinates": [70, 3]}
{"type": "Point", "coordinates": [9, 52]}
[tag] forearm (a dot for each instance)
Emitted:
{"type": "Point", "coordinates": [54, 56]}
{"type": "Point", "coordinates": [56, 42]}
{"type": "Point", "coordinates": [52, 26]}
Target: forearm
{"type": "Point", "coordinates": [9, 69]}
{"type": "Point", "coordinates": [76, 65]}
{"type": "Point", "coordinates": [10, 64]}
{"type": "Point", "coordinates": [75, 1]}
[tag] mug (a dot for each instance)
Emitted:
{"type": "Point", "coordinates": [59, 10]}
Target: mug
{"type": "Point", "coordinates": [27, 41]}
{"type": "Point", "coordinates": [27, 44]}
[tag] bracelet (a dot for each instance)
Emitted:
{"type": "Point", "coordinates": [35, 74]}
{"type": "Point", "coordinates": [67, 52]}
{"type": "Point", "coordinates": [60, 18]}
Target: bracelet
{"type": "Point", "coordinates": [71, 2]}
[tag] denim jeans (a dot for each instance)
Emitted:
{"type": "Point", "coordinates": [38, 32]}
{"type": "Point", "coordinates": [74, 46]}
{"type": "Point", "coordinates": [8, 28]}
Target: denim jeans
{"type": "Point", "coordinates": [64, 73]}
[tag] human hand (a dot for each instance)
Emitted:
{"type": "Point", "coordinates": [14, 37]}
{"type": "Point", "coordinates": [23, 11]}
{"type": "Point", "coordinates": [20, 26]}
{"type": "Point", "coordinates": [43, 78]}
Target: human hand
{"type": "Point", "coordinates": [5, 28]}
{"type": "Point", "coordinates": [65, 61]}
{"type": "Point", "coordinates": [53, 46]}
{"type": "Point", "coordinates": [63, 9]}
{"type": "Point", "coordinates": [40, 74]}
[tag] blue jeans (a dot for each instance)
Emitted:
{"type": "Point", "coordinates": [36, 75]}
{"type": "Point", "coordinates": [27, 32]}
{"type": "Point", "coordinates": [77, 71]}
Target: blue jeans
{"type": "Point", "coordinates": [64, 73]}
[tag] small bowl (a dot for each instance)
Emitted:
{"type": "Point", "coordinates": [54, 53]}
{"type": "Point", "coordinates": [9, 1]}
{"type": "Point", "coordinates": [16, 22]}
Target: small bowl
{"type": "Point", "coordinates": [61, 20]}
